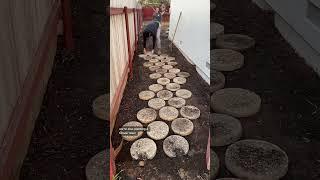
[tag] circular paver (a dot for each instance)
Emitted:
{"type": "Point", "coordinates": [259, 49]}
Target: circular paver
{"type": "Point", "coordinates": [163, 81]}
{"type": "Point", "coordinates": [142, 55]}
{"type": "Point", "coordinates": [180, 80]}
{"type": "Point", "coordinates": [165, 60]}
{"type": "Point", "coordinates": [183, 74]}
{"type": "Point", "coordinates": [226, 59]}
{"type": "Point", "coordinates": [165, 94]}
{"type": "Point", "coordinates": [132, 137]}
{"type": "Point", "coordinates": [155, 76]}
{"type": "Point", "coordinates": [173, 86]}
{"type": "Point", "coordinates": [218, 81]}
{"type": "Point", "coordinates": [190, 112]}
{"type": "Point", "coordinates": [161, 71]}
{"type": "Point", "coordinates": [158, 130]}
{"type": "Point", "coordinates": [155, 87]}
{"type": "Point", "coordinates": [160, 63]}
{"type": "Point", "coordinates": [164, 55]}
{"type": "Point", "coordinates": [172, 63]}
{"type": "Point", "coordinates": [167, 67]}
{"type": "Point", "coordinates": [147, 64]}
{"type": "Point", "coordinates": [143, 149]}
{"type": "Point", "coordinates": [146, 95]}
{"type": "Point", "coordinates": [184, 93]}
{"type": "Point", "coordinates": [100, 107]}
{"type": "Point", "coordinates": [214, 165]}
{"type": "Point", "coordinates": [168, 113]}
{"type": "Point", "coordinates": [154, 68]}
{"type": "Point", "coordinates": [174, 70]}
{"type": "Point", "coordinates": [147, 115]}
{"type": "Point", "coordinates": [175, 145]}
{"type": "Point", "coordinates": [153, 60]}
{"type": "Point", "coordinates": [236, 102]}
{"type": "Point", "coordinates": [256, 159]}
{"type": "Point", "coordinates": [236, 42]}
{"type": "Point", "coordinates": [170, 75]}
{"type": "Point", "coordinates": [156, 103]}
{"type": "Point", "coordinates": [216, 30]}
{"type": "Point", "coordinates": [225, 130]}
{"type": "Point", "coordinates": [182, 126]}
{"type": "Point", "coordinates": [97, 165]}
{"type": "Point", "coordinates": [177, 102]}
{"type": "Point", "coordinates": [171, 58]}
{"type": "Point", "coordinates": [147, 58]}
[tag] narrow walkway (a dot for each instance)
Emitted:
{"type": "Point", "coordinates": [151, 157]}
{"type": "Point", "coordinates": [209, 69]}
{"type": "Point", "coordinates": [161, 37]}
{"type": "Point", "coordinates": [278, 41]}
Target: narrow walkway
{"type": "Point", "coordinates": [67, 134]}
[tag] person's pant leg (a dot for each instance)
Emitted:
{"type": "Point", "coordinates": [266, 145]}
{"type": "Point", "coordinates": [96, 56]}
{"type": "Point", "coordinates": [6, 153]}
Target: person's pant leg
{"type": "Point", "coordinates": [158, 38]}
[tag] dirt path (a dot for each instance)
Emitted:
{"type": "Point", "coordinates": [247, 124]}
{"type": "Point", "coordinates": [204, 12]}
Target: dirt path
{"type": "Point", "coordinates": [289, 89]}
{"type": "Point", "coordinates": [66, 134]}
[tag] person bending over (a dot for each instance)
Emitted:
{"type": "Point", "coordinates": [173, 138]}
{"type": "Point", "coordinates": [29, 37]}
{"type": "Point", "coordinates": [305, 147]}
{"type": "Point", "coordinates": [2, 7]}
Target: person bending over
{"type": "Point", "coordinates": [150, 31]}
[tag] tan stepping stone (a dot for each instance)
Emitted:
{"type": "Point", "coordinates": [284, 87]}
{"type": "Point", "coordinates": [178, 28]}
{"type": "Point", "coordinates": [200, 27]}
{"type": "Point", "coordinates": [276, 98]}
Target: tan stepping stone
{"type": "Point", "coordinates": [177, 102]}
{"type": "Point", "coordinates": [182, 126]}
{"type": "Point", "coordinates": [256, 159]}
{"type": "Point", "coordinates": [173, 86]}
{"type": "Point", "coordinates": [184, 93]}
{"type": "Point", "coordinates": [158, 130]}
{"type": "Point", "coordinates": [155, 87]}
{"type": "Point", "coordinates": [171, 58]}
{"type": "Point", "coordinates": [142, 56]}
{"type": "Point", "coordinates": [163, 81]}
{"type": "Point", "coordinates": [216, 30]}
{"type": "Point", "coordinates": [154, 55]}
{"type": "Point", "coordinates": [217, 81]}
{"type": "Point", "coordinates": [160, 63]}
{"type": "Point", "coordinates": [226, 59]}
{"type": "Point", "coordinates": [155, 76]}
{"type": "Point", "coordinates": [174, 70]}
{"type": "Point", "coordinates": [175, 146]}
{"type": "Point", "coordinates": [237, 42]}
{"type": "Point", "coordinates": [97, 165]}
{"type": "Point", "coordinates": [147, 115]}
{"type": "Point", "coordinates": [161, 71]}
{"type": "Point", "coordinates": [168, 113]}
{"type": "Point", "coordinates": [170, 75]}
{"type": "Point", "coordinates": [154, 68]}
{"type": "Point", "coordinates": [165, 60]}
{"type": "Point", "coordinates": [146, 95]}
{"type": "Point", "coordinates": [225, 130]}
{"type": "Point", "coordinates": [183, 74]}
{"type": "Point", "coordinates": [143, 149]}
{"type": "Point", "coordinates": [148, 64]}
{"type": "Point", "coordinates": [165, 94]}
{"type": "Point", "coordinates": [147, 58]}
{"type": "Point", "coordinates": [156, 103]}
{"type": "Point", "coordinates": [100, 107]}
{"type": "Point", "coordinates": [236, 102]}
{"type": "Point", "coordinates": [132, 135]}
{"type": "Point", "coordinates": [180, 80]}
{"type": "Point", "coordinates": [153, 60]}
{"type": "Point", "coordinates": [172, 63]}
{"type": "Point", "coordinates": [167, 67]}
{"type": "Point", "coordinates": [164, 55]}
{"type": "Point", "coordinates": [190, 112]}
{"type": "Point", "coordinates": [214, 165]}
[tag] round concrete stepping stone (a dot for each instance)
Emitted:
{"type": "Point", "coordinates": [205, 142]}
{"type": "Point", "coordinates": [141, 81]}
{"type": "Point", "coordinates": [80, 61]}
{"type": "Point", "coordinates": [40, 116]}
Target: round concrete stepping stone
{"type": "Point", "coordinates": [167, 67]}
{"type": "Point", "coordinates": [147, 64]}
{"type": "Point", "coordinates": [183, 74]}
{"type": "Point", "coordinates": [132, 124]}
{"type": "Point", "coordinates": [160, 63]}
{"type": "Point", "coordinates": [153, 60]}
{"type": "Point", "coordinates": [142, 55]}
{"type": "Point", "coordinates": [147, 115]}
{"type": "Point", "coordinates": [237, 42]}
{"type": "Point", "coordinates": [163, 81]}
{"type": "Point", "coordinates": [162, 71]}
{"type": "Point", "coordinates": [146, 95]}
{"type": "Point", "coordinates": [182, 126]}
{"type": "Point", "coordinates": [216, 30]}
{"type": "Point", "coordinates": [236, 102]}
{"type": "Point", "coordinates": [100, 107]}
{"type": "Point", "coordinates": [171, 58]}
{"type": "Point", "coordinates": [172, 63]}
{"type": "Point", "coordinates": [184, 93]}
{"type": "Point", "coordinates": [173, 86]}
{"type": "Point", "coordinates": [174, 70]}
{"type": "Point", "coordinates": [154, 68]}
{"type": "Point", "coordinates": [165, 60]}
{"type": "Point", "coordinates": [168, 113]}
{"type": "Point", "coordinates": [175, 145]}
{"type": "Point", "coordinates": [177, 102]}
{"type": "Point", "coordinates": [164, 55]}
{"type": "Point", "coordinates": [143, 149]}
{"type": "Point", "coordinates": [214, 165]}
{"type": "Point", "coordinates": [154, 55]}
{"type": "Point", "coordinates": [165, 94]}
{"type": "Point", "coordinates": [170, 75]}
{"type": "Point", "coordinates": [256, 159]}
{"type": "Point", "coordinates": [97, 165]}
{"type": "Point", "coordinates": [226, 130]}
{"type": "Point", "coordinates": [158, 130]}
{"type": "Point", "coordinates": [155, 76]}
{"type": "Point", "coordinates": [155, 87]}
{"type": "Point", "coordinates": [190, 112]}
{"type": "Point", "coordinates": [156, 103]}
{"type": "Point", "coordinates": [226, 59]}
{"type": "Point", "coordinates": [147, 58]}
{"type": "Point", "coordinates": [180, 80]}
{"type": "Point", "coordinates": [218, 81]}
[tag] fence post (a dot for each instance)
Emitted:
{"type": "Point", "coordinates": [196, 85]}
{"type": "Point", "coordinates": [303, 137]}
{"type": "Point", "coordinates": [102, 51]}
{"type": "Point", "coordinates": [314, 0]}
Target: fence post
{"type": "Point", "coordinates": [67, 24]}
{"type": "Point", "coordinates": [128, 39]}
{"type": "Point", "coordinates": [135, 28]}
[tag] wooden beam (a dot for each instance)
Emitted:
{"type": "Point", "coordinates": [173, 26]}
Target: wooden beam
{"type": "Point", "coordinates": [67, 24]}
